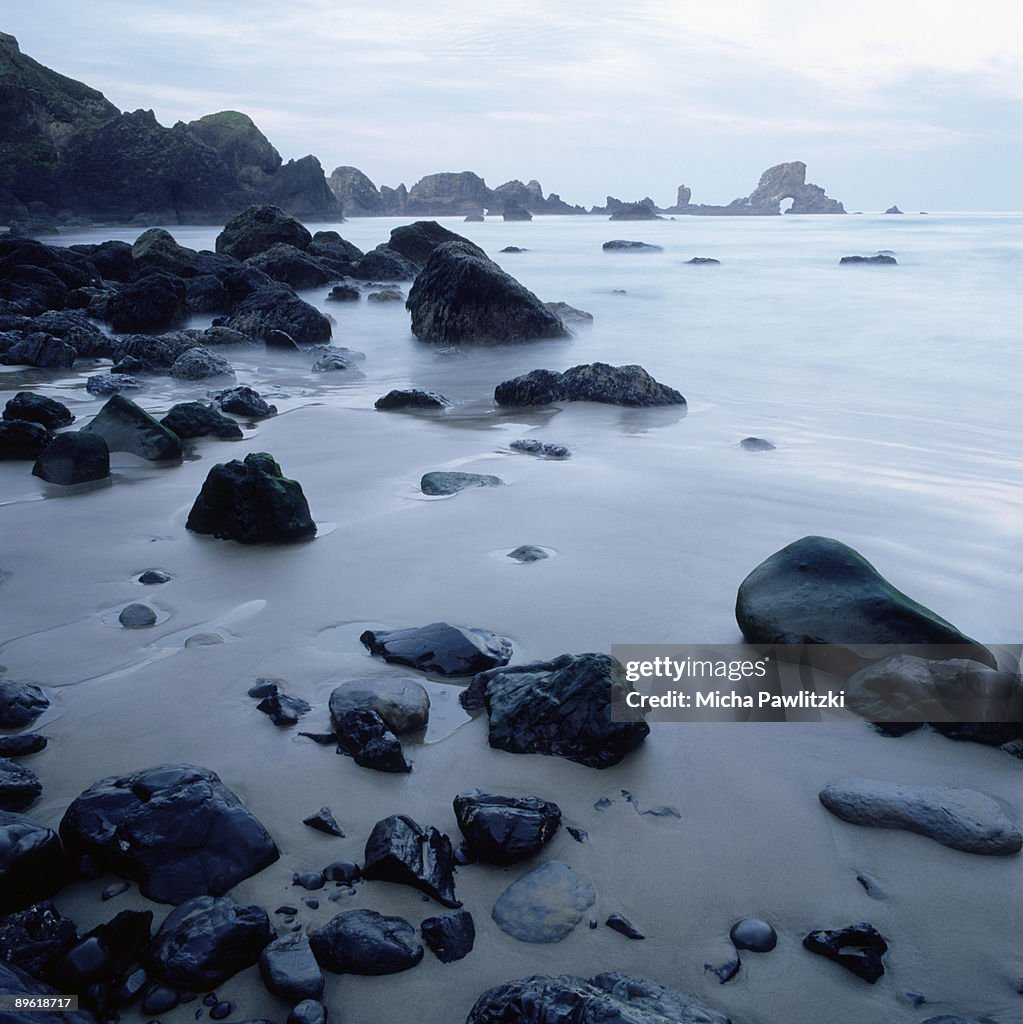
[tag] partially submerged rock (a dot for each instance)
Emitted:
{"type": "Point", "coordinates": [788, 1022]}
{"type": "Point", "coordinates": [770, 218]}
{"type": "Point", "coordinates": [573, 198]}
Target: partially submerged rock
{"type": "Point", "coordinates": [73, 458]}
{"type": "Point", "coordinates": [196, 419]}
{"type": "Point", "coordinates": [880, 259]}
{"type": "Point", "coordinates": [365, 942]}
{"type": "Point", "coordinates": [19, 786]}
{"type": "Point", "coordinates": [244, 401]}
{"type": "Point", "coordinates": [38, 409]}
{"type": "Point", "coordinates": [20, 703]}
{"type": "Point", "coordinates": [589, 382]}
{"type": "Point", "coordinates": [365, 736]}
{"type": "Point", "coordinates": [411, 398]}
{"type": "Point", "coordinates": [401, 701]}
{"type": "Point", "coordinates": [627, 245]}
{"type": "Point", "coordinates": [126, 427]}
{"type": "Point", "coordinates": [200, 363]}
{"type": "Point", "coordinates": [256, 229]}
{"type": "Point", "coordinates": [31, 939]}
{"type": "Point", "coordinates": [545, 904]}
{"type": "Point", "coordinates": [440, 648]}
{"type": "Point", "coordinates": [442, 483]}
{"type": "Point", "coordinates": [400, 850]}
{"type": "Point", "coordinates": [505, 829]}
{"type": "Point", "coordinates": [22, 439]}
{"type": "Point", "coordinates": [278, 308]}
{"type": "Point", "coordinates": [541, 449]}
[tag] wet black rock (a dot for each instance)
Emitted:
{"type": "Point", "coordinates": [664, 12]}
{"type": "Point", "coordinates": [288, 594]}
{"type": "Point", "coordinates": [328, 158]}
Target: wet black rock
{"type": "Point", "coordinates": [200, 363]}
{"type": "Point", "coordinates": [207, 940]}
{"type": "Point", "coordinates": [625, 245]}
{"type": "Point", "coordinates": [400, 701]}
{"type": "Point", "coordinates": [289, 970]}
{"type": "Point", "coordinates": [282, 709]}
{"type": "Point", "coordinates": [324, 821]}
{"type": "Point", "coordinates": [753, 934]}
{"type": "Point", "coordinates": [881, 259]}
{"type": "Point", "coordinates": [244, 401]}
{"type": "Point", "coordinates": [291, 266]}
{"type": "Point", "coordinates": [444, 483]}
{"type": "Point", "coordinates": [757, 444]}
{"type": "Point", "coordinates": [258, 228]}
{"type": "Point", "coordinates": [561, 707]}
{"type": "Point", "coordinates": [155, 577]}
{"type": "Point", "coordinates": [569, 314]}
{"type": "Point", "coordinates": [528, 553]}
{"type": "Point", "coordinates": [505, 829]}
{"type": "Point", "coordinates": [177, 830]}
{"type": "Point", "coordinates": [411, 398]}
{"type": "Point", "coordinates": [893, 209]}
{"type": "Point", "coordinates": [278, 308]}
{"type": "Point", "coordinates": [21, 745]}
{"type": "Point", "coordinates": [416, 242]}
{"type": "Point", "coordinates": [20, 703]}
{"type": "Point", "coordinates": [513, 249]}
{"type": "Point", "coordinates": [196, 419]}
{"type": "Point", "coordinates": [38, 409]}
{"type": "Point", "coordinates": [463, 297]}
{"type": "Point", "coordinates": [589, 382]}
{"type": "Point", "coordinates": [440, 648]}
{"type": "Point", "coordinates": [858, 948]}
{"type": "Point", "coordinates": [449, 936]}
{"type": "Point", "coordinates": [22, 440]}
{"type": "Point", "coordinates": [399, 850]}
{"type": "Point", "coordinates": [819, 591]}
{"type": "Point", "coordinates": [74, 458]}
{"type": "Point", "coordinates": [126, 427]}
{"type": "Point", "coordinates": [617, 922]}
{"type": "Point", "coordinates": [342, 871]}
{"type": "Point", "coordinates": [308, 1011]}
{"type": "Point", "coordinates": [155, 302]}
{"type": "Point", "coordinates": [545, 904]}
{"type": "Point", "coordinates": [112, 383]}
{"type": "Point", "coordinates": [251, 502]}
{"type": "Point", "coordinates": [31, 939]}
{"type": "Point", "coordinates": [41, 350]}
{"type": "Point", "coordinates": [308, 880]}
{"type": "Point", "coordinates": [344, 293]}
{"type": "Point", "coordinates": [541, 449]}
{"type": "Point", "coordinates": [608, 998]}
{"type": "Point", "coordinates": [364, 735]}
{"type": "Point", "coordinates": [335, 359]}
{"type": "Point", "coordinates": [365, 942]}
{"type": "Point", "coordinates": [32, 863]}
{"type": "Point", "coordinates": [137, 616]}
{"type": "Point", "coordinates": [383, 264]}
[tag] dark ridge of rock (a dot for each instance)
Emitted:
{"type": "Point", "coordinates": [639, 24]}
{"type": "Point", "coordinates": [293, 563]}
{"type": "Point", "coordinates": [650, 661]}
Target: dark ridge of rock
{"type": "Point", "coordinates": [402, 702]}
{"type": "Point", "coordinates": [128, 428]}
{"type": "Point", "coordinates": [474, 218]}
{"type": "Point", "coordinates": [505, 829]}
{"type": "Point", "coordinates": [155, 353]}
{"type": "Point", "coordinates": [364, 736]}
{"type": "Point", "coordinates": [621, 924]}
{"type": "Point", "coordinates": [756, 444]}
{"type": "Point", "coordinates": [399, 850]}
{"type": "Point", "coordinates": [200, 363]}
{"type": "Point", "coordinates": [530, 196]}
{"type": "Point", "coordinates": [279, 309]}
{"type": "Point", "coordinates": [157, 250]}
{"type": "Point", "coordinates": [704, 261]}
{"type": "Point", "coordinates": [612, 998]}
{"type": "Point", "coordinates": [155, 302]}
{"type": "Point", "coordinates": [516, 249]}
{"type": "Point", "coordinates": [365, 942]}
{"type": "Point", "coordinates": [462, 297]}
{"type": "Point", "coordinates": [32, 863]}
{"type": "Point", "coordinates": [627, 245]}
{"type": "Point", "coordinates": [38, 409]}
{"type": "Point", "coordinates": [411, 398]}
{"type": "Point", "coordinates": [417, 241]}
{"type": "Point", "coordinates": [635, 211]}
{"type": "Point", "coordinates": [240, 144]}
{"type": "Point", "coordinates": [243, 401]}
{"type": "Point", "coordinates": [450, 936]}
{"type": "Point", "coordinates": [356, 194]}
{"type": "Point", "coordinates": [19, 786]}
{"type": "Point", "coordinates": [383, 264]}
{"type": "Point", "coordinates": [22, 744]}
{"type": "Point", "coordinates": [513, 211]}
{"type": "Point", "coordinates": [960, 818]}
{"type": "Point", "coordinates": [195, 419]}
{"type": "Point", "coordinates": [289, 970]}
{"type": "Point", "coordinates": [589, 382]}
{"type": "Point", "coordinates": [561, 707]}
{"type": "Point", "coordinates": [112, 384]}
{"type": "Point", "coordinates": [881, 259]}
{"type": "Point", "coordinates": [788, 181]}
{"type": "Point", "coordinates": [251, 502]}
{"type": "Point", "coordinates": [440, 648]}
{"type": "Point", "coordinates": [442, 483]}
{"type": "Point", "coordinates": [820, 591]}
{"type": "Point", "coordinates": [207, 940]}
{"type": "Point", "coordinates": [860, 948]}
{"type": "Point", "coordinates": [448, 194]}
{"type": "Point", "coordinates": [893, 209]}
{"type": "Point", "coordinates": [177, 830]}
{"type": "Point", "coordinates": [300, 188]}
{"type": "Point", "coordinates": [282, 709]}
{"type": "Point", "coordinates": [545, 904]}
{"type": "Point", "coordinates": [33, 938]}
{"type": "Point", "coordinates": [541, 449]}
{"type": "Point", "coordinates": [74, 458]}
{"type": "Point", "coordinates": [257, 228]}
{"type": "Point", "coordinates": [75, 329]}
{"type": "Point", "coordinates": [114, 259]}
{"type": "Point", "coordinates": [21, 439]}
{"type": "Point", "coordinates": [569, 314]}
{"type": "Point", "coordinates": [291, 266]}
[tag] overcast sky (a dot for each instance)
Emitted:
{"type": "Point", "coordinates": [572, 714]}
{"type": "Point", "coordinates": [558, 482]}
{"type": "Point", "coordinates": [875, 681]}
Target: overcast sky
{"type": "Point", "coordinates": [914, 102]}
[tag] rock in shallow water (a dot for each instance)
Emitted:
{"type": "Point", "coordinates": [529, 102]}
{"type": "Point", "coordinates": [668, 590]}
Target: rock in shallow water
{"type": "Point", "coordinates": [363, 735]}
{"type": "Point", "coordinates": [960, 818]}
{"type": "Point", "coordinates": [541, 449]}
{"type": "Point", "coordinates": [545, 904]}
{"type": "Point", "coordinates": [33, 938]}
{"type": "Point", "coordinates": [26, 405]}
{"type": "Point", "coordinates": [194, 419]}
{"type": "Point", "coordinates": [442, 483]}
{"type": "Point", "coordinates": [505, 829]}
{"type": "Point", "coordinates": [411, 398]}
{"type": "Point", "coordinates": [440, 648]}
{"type": "Point", "coordinates": [73, 458]}
{"type": "Point", "coordinates": [22, 440]}
{"type": "Point", "coordinates": [365, 942]}
{"type": "Point", "coordinates": [589, 382]}
{"type": "Point", "coordinates": [137, 616]}
{"type": "Point", "coordinates": [243, 401]}
{"type": "Point", "coordinates": [399, 850]}
{"type": "Point", "coordinates": [400, 701]}
{"type": "Point", "coordinates": [528, 553]}
{"type": "Point", "coordinates": [128, 428]}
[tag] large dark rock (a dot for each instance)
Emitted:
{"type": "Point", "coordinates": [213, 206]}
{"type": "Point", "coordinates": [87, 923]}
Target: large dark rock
{"type": "Point", "coordinates": [157, 250]}
{"type": "Point", "coordinates": [251, 502]}
{"type": "Point", "coordinates": [74, 458]}
{"type": "Point", "coordinates": [450, 193]}
{"type": "Point", "coordinates": [960, 818]}
{"type": "Point", "coordinates": [589, 382]}
{"type": "Point", "coordinates": [440, 648]}
{"type": "Point", "coordinates": [858, 948]}
{"type": "Point", "coordinates": [20, 439]}
{"type": "Point", "coordinates": [278, 308]}
{"type": "Point", "coordinates": [289, 970]}
{"type": "Point", "coordinates": [114, 259]}
{"type": "Point", "coordinates": [33, 938]}
{"type": "Point", "coordinates": [366, 737]}
{"type": "Point", "coordinates": [155, 353]}
{"type": "Point", "coordinates": [545, 904]}
{"type": "Point", "coordinates": [195, 419]}
{"type": "Point", "coordinates": [417, 241]}
{"type": "Point", "coordinates": [128, 428]}
{"type": "Point", "coordinates": [450, 936]}
{"type": "Point", "coordinates": [290, 265]}
{"type": "Point", "coordinates": [400, 701]}
{"type": "Point", "coordinates": [20, 703]}
{"type": "Point", "coordinates": [38, 409]}
{"type": "Point", "coordinates": [383, 264]}
{"type": "Point", "coordinates": [22, 744]}
{"type": "Point", "coordinates": [207, 940]}
{"type": "Point", "coordinates": [365, 942]}
{"type": "Point", "coordinates": [40, 350]}
{"type": "Point", "coordinates": [820, 591]}
{"type": "Point", "coordinates": [243, 401]}
{"type": "Point", "coordinates": [505, 829]}
{"type": "Point", "coordinates": [399, 850]}
{"type": "Point", "coordinates": [462, 297]}
{"type": "Point", "coordinates": [175, 829]}
{"type": "Point", "coordinates": [561, 707]}
{"type": "Point", "coordinates": [151, 303]}
{"type": "Point", "coordinates": [608, 998]}
{"type": "Point", "coordinates": [19, 786]}
{"type": "Point", "coordinates": [300, 187]}
{"type": "Point", "coordinates": [411, 398]}
{"type": "Point", "coordinates": [240, 144]}
{"type": "Point", "coordinates": [256, 229]}
{"type": "Point", "coordinates": [32, 863]}
{"type": "Point", "coordinates": [199, 363]}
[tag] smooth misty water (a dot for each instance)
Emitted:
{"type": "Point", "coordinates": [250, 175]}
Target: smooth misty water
{"type": "Point", "coordinates": [891, 394]}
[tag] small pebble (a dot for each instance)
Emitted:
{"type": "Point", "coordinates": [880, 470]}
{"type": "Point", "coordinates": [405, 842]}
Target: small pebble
{"type": "Point", "coordinates": [753, 934]}
{"type": "Point", "coordinates": [210, 999]}
{"type": "Point", "coordinates": [137, 616]}
{"type": "Point", "coordinates": [580, 835]}
{"type": "Point", "coordinates": [115, 889]}
{"type": "Point", "coordinates": [153, 577]}
{"type": "Point", "coordinates": [308, 880]}
{"type": "Point", "coordinates": [624, 926]}
{"type": "Point", "coordinates": [726, 971]}
{"type": "Point", "coordinates": [312, 903]}
{"type": "Point", "coordinates": [286, 908]}
{"type": "Point", "coordinates": [221, 1010]}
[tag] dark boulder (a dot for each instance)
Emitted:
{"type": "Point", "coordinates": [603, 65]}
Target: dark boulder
{"type": "Point", "coordinates": [324, 821]}
{"type": "Point", "coordinates": [38, 409]}
{"type": "Point", "coordinates": [40, 350]}
{"type": "Point", "coordinates": [626, 245]}
{"type": "Point", "coordinates": [753, 934]}
{"type": "Point", "coordinates": [200, 363]}
{"type": "Point", "coordinates": [399, 850]}
{"type": "Point", "coordinates": [703, 261]}
{"type": "Point", "coordinates": [363, 735]}
{"type": "Point", "coordinates": [858, 948]}
{"type": "Point", "coordinates": [137, 616]}
{"type": "Point", "coordinates": [463, 297]}
{"type": "Point", "coordinates": [74, 458]}
{"type": "Point", "coordinates": [20, 703]}
{"type": "Point", "coordinates": [561, 707]}
{"type": "Point", "coordinates": [411, 398]}
{"type": "Point", "coordinates": [207, 940]}
{"type": "Point", "coordinates": [251, 502]}
{"type": "Point", "coordinates": [450, 936]}
{"type": "Point", "coordinates": [175, 829]}
{"type": "Point", "coordinates": [114, 259]}
{"type": "Point", "coordinates": [893, 209]}
{"type": "Point", "coordinates": [278, 308]}
{"type": "Point", "coordinates": [819, 591]}
{"type": "Point", "coordinates": [156, 353]}
{"type": "Point", "coordinates": [74, 328]}
{"type": "Point", "coordinates": [112, 383]}
{"type": "Point", "coordinates": [505, 829]}
{"type": "Point", "coordinates": [22, 744]}
{"type": "Point", "coordinates": [157, 250]}
{"type": "Point", "coordinates": [20, 439]}
{"type": "Point", "coordinates": [383, 264]}
{"type": "Point", "coordinates": [19, 786]}
{"type": "Point", "coordinates": [386, 295]}
{"type": "Point", "coordinates": [589, 382]}
{"type": "Point", "coordinates": [443, 483]}
{"type": "Point", "coordinates": [194, 419]}
{"type": "Point", "coordinates": [513, 211]}
{"type": "Point", "coordinates": [151, 303]}
{"type": "Point", "coordinates": [256, 229]}
{"type": "Point", "coordinates": [344, 293]}
{"type": "Point", "coordinates": [33, 938]}
{"type": "Point", "coordinates": [128, 428]}
{"type": "Point", "coordinates": [207, 294]}
{"type": "Point", "coordinates": [365, 942]}
{"type": "Point", "coordinates": [545, 904]}
{"type": "Point", "coordinates": [621, 924]}
{"type": "Point", "coordinates": [417, 241]}
{"type": "Point", "coordinates": [33, 289]}
{"type": "Point", "coordinates": [32, 864]}
{"type": "Point", "coordinates": [400, 701]}
{"type": "Point", "coordinates": [756, 444]}
{"type": "Point", "coordinates": [282, 709]}
{"type": "Point", "coordinates": [243, 401]}
{"type": "Point", "coordinates": [526, 553]}
{"type": "Point", "coordinates": [440, 648]}
{"type": "Point", "coordinates": [291, 266]}
{"type": "Point", "coordinates": [289, 970]}
{"type": "Point", "coordinates": [569, 314]}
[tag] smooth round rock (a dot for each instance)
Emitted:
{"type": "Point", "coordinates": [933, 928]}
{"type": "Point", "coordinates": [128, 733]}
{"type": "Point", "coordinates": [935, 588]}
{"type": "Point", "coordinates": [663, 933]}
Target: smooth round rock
{"type": "Point", "coordinates": [137, 616]}
{"type": "Point", "coordinates": [545, 904]}
{"type": "Point", "coordinates": [753, 934]}
{"type": "Point", "coordinates": [153, 577]}
{"type": "Point", "coordinates": [400, 701]}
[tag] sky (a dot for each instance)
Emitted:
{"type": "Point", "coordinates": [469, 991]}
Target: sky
{"type": "Point", "coordinates": [912, 102]}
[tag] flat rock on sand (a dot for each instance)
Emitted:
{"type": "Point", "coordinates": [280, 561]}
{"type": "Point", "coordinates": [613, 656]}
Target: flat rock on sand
{"type": "Point", "coordinates": [960, 818]}
{"type": "Point", "coordinates": [440, 647]}
{"type": "Point", "coordinates": [545, 904]}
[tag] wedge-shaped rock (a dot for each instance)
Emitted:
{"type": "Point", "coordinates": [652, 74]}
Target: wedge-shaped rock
{"type": "Point", "coordinates": [126, 427]}
{"type": "Point", "coordinates": [289, 969]}
{"type": "Point", "coordinates": [399, 850]}
{"type": "Point", "coordinates": [440, 648]}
